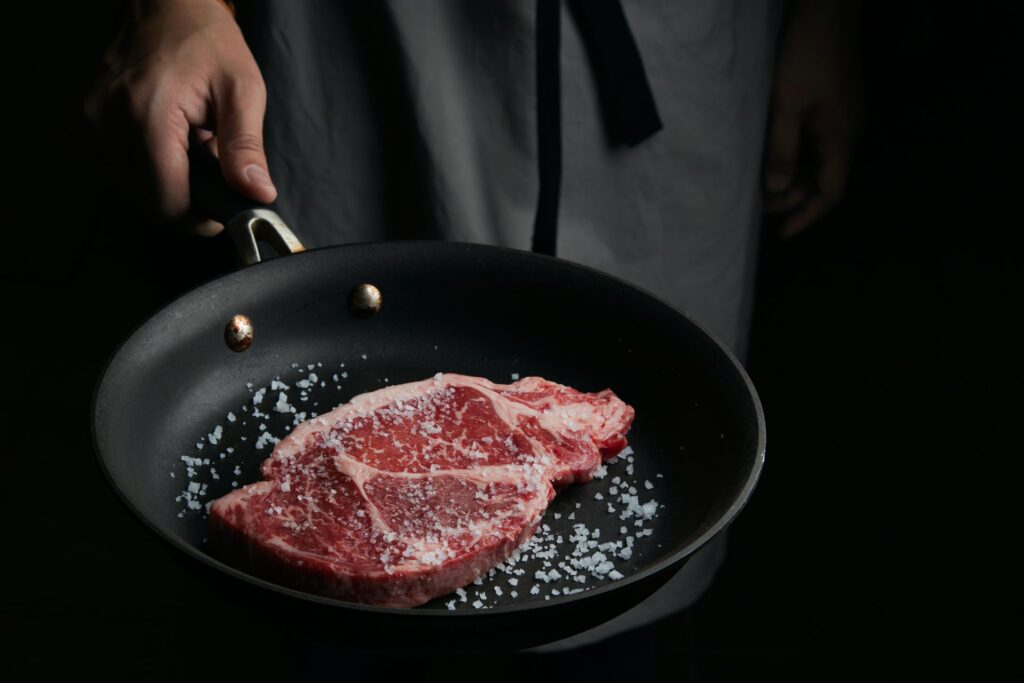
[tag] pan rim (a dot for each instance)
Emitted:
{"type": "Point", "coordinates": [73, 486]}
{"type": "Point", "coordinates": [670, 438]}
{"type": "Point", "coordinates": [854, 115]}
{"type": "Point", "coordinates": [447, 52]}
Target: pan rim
{"type": "Point", "coordinates": [666, 562]}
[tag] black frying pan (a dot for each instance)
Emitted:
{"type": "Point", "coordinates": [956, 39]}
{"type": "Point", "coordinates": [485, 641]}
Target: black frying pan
{"type": "Point", "coordinates": [471, 309]}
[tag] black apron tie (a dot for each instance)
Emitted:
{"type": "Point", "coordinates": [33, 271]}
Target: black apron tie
{"type": "Point", "coordinates": [549, 126]}
{"type": "Point", "coordinates": [627, 104]}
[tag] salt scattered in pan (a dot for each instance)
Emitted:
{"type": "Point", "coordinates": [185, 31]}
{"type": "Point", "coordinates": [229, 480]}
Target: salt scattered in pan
{"type": "Point", "coordinates": [214, 436]}
{"type": "Point", "coordinates": [265, 438]}
{"type": "Point", "coordinates": [565, 561]}
{"type": "Point", "coordinates": [282, 405]}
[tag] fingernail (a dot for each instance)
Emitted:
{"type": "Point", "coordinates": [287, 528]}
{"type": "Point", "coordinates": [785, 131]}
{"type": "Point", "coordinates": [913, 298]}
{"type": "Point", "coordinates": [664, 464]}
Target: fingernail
{"type": "Point", "coordinates": [256, 175]}
{"type": "Point", "coordinates": [776, 182]}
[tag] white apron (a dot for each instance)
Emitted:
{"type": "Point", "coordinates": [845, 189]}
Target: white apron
{"type": "Point", "coordinates": [413, 119]}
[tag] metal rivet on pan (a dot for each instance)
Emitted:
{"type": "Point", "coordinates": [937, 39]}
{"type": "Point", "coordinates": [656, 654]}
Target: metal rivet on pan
{"type": "Point", "coordinates": [365, 300]}
{"type": "Point", "coordinates": [238, 333]}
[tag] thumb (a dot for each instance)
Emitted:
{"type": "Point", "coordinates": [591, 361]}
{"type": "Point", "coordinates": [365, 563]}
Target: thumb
{"type": "Point", "coordinates": [239, 112]}
{"type": "Point", "coordinates": [783, 149]}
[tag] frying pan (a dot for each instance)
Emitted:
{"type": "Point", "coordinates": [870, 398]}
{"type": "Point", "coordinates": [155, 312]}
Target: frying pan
{"type": "Point", "coordinates": [698, 436]}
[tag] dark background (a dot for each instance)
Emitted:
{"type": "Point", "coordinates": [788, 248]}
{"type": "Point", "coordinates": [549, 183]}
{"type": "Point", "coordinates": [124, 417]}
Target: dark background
{"type": "Point", "coordinates": [884, 539]}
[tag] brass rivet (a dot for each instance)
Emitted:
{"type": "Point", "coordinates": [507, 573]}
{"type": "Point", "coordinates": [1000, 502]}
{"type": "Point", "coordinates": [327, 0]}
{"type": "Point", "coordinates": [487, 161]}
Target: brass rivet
{"type": "Point", "coordinates": [365, 300]}
{"type": "Point", "coordinates": [238, 333]}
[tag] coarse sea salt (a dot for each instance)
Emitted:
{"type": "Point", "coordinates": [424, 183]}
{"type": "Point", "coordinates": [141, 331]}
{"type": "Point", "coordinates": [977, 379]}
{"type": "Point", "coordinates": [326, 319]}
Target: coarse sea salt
{"type": "Point", "coordinates": [564, 562]}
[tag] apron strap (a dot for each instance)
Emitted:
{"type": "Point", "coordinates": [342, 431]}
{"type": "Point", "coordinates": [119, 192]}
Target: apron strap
{"type": "Point", "coordinates": [549, 125]}
{"type": "Point", "coordinates": [627, 103]}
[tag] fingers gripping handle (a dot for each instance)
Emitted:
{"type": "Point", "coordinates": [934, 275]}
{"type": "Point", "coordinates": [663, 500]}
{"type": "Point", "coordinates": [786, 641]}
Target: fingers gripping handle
{"type": "Point", "coordinates": [247, 222]}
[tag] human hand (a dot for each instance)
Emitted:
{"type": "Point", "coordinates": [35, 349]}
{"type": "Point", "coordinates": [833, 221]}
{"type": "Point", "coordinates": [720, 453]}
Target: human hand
{"type": "Point", "coordinates": [816, 112]}
{"type": "Point", "coordinates": [178, 65]}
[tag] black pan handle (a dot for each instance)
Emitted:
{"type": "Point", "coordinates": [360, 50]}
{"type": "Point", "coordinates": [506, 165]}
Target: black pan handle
{"type": "Point", "coordinates": [246, 221]}
{"type": "Point", "coordinates": [210, 193]}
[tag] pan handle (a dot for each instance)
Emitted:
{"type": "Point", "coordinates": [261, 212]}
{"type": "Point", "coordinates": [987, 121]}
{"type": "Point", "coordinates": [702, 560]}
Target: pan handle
{"type": "Point", "coordinates": [261, 225]}
{"type": "Point", "coordinates": [246, 221]}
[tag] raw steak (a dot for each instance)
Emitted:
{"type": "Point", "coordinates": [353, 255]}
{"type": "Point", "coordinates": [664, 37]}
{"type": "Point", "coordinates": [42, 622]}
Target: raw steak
{"type": "Point", "coordinates": [407, 493]}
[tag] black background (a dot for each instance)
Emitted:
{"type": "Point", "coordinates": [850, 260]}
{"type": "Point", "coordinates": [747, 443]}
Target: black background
{"type": "Point", "coordinates": [883, 541]}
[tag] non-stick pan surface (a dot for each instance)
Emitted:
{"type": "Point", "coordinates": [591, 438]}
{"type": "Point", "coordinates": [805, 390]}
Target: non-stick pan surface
{"type": "Point", "coordinates": [698, 435]}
